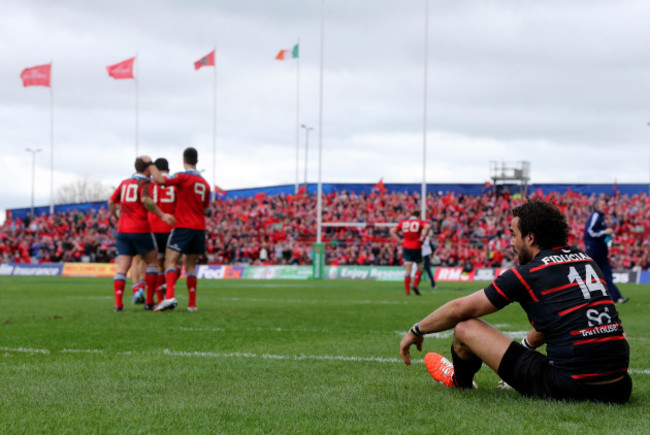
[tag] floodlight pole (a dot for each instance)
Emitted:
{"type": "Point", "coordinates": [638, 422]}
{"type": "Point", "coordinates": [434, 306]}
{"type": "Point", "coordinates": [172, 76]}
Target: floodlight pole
{"type": "Point", "coordinates": [33, 172]}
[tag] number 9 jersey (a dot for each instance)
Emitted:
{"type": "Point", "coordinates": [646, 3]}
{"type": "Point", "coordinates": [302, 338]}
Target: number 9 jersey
{"type": "Point", "coordinates": [193, 197]}
{"type": "Point", "coordinates": [565, 297]}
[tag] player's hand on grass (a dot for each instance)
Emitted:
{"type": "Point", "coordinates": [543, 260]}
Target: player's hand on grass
{"type": "Point", "coordinates": [404, 347]}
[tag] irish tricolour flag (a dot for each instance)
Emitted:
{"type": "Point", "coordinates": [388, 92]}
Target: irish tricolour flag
{"type": "Point", "coordinates": [288, 54]}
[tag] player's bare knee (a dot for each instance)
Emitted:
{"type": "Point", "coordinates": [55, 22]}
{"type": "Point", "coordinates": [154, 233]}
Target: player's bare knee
{"type": "Point", "coordinates": [465, 329]}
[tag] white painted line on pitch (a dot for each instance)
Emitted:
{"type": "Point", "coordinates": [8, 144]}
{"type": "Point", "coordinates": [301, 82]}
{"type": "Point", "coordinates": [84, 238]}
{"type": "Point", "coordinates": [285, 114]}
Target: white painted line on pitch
{"type": "Point", "coordinates": [203, 329]}
{"type": "Point", "coordinates": [197, 354]}
{"type": "Point", "coordinates": [450, 333]}
{"type": "Point", "coordinates": [320, 302]}
{"type": "Point", "coordinates": [82, 351]}
{"type": "Point", "coordinates": [24, 350]}
{"type": "Point", "coordinates": [282, 357]}
{"type": "Point", "coordinates": [269, 285]}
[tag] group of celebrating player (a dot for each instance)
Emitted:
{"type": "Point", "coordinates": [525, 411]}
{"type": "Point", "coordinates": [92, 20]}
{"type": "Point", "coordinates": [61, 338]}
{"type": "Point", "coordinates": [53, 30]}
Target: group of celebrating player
{"type": "Point", "coordinates": [161, 222]}
{"type": "Point", "coordinates": [562, 290]}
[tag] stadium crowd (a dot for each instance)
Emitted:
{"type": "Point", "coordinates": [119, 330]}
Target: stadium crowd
{"type": "Point", "coordinates": [469, 231]}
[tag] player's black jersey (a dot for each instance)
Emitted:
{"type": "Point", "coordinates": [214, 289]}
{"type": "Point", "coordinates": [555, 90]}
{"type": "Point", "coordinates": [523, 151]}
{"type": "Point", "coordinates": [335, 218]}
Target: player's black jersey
{"type": "Point", "coordinates": [565, 297]}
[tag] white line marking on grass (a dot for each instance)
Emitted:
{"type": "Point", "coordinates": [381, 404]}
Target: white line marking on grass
{"type": "Point", "coordinates": [269, 285]}
{"type": "Point", "coordinates": [197, 354]}
{"type": "Point", "coordinates": [24, 350]}
{"type": "Point", "coordinates": [202, 329]}
{"type": "Point", "coordinates": [320, 302]}
{"type": "Point", "coordinates": [82, 351]}
{"type": "Point", "coordinates": [449, 334]}
{"type": "Point", "coordinates": [281, 357]}
{"type": "Point", "coordinates": [92, 298]}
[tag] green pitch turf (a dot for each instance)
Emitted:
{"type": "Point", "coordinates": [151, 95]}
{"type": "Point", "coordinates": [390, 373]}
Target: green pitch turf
{"type": "Point", "coordinates": [267, 356]}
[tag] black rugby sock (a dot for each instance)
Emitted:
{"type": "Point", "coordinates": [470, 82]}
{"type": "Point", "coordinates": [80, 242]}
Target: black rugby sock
{"type": "Point", "coordinates": [464, 370]}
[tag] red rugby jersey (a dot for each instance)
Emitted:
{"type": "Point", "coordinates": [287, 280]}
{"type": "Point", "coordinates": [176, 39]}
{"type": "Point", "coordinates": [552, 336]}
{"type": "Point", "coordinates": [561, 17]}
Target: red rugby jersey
{"type": "Point", "coordinates": [192, 198]}
{"type": "Point", "coordinates": [133, 214]}
{"type": "Point", "coordinates": [165, 199]}
{"type": "Point", "coordinates": [411, 229]}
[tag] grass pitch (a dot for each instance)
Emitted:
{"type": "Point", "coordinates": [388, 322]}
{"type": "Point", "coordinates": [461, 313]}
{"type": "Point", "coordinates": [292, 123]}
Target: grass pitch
{"type": "Point", "coordinates": [267, 356]}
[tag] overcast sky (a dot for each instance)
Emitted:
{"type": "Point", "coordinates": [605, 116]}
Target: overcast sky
{"type": "Point", "coordinates": [562, 84]}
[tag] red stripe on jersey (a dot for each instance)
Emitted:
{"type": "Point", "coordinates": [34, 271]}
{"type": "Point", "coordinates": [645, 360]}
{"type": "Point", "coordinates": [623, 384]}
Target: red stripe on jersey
{"type": "Point", "coordinates": [596, 329]}
{"type": "Point", "coordinates": [535, 269]}
{"type": "Point", "coordinates": [598, 340]}
{"type": "Point", "coordinates": [500, 291]}
{"type": "Point", "coordinates": [593, 375]}
{"type": "Point", "coordinates": [530, 290]}
{"type": "Point", "coordinates": [557, 289]}
{"type": "Point", "coordinates": [589, 304]}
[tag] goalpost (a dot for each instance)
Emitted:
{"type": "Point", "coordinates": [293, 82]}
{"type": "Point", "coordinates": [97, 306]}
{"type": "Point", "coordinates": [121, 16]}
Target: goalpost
{"type": "Point", "coordinates": [318, 252]}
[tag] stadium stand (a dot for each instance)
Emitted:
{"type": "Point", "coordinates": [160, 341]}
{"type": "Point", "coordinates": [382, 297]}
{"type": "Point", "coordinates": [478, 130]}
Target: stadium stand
{"type": "Point", "coordinates": [268, 228]}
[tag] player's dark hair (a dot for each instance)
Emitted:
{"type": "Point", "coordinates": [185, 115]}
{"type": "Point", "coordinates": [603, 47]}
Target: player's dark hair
{"type": "Point", "coordinates": [416, 213]}
{"type": "Point", "coordinates": [162, 164]}
{"type": "Point", "coordinates": [191, 156]}
{"type": "Point", "coordinates": [140, 165]}
{"type": "Point", "coordinates": [545, 221]}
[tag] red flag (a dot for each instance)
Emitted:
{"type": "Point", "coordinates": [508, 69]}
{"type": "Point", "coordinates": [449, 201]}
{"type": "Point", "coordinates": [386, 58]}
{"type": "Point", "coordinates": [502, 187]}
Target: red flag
{"type": "Point", "coordinates": [37, 75]}
{"type": "Point", "coordinates": [207, 60]}
{"type": "Point", "coordinates": [219, 191]}
{"type": "Point", "coordinates": [122, 70]}
{"type": "Point", "coordinates": [380, 186]}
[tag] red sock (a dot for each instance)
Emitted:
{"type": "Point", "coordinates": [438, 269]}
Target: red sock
{"type": "Point", "coordinates": [134, 287]}
{"type": "Point", "coordinates": [151, 278]}
{"type": "Point", "coordinates": [170, 281]}
{"type": "Point", "coordinates": [191, 290]}
{"type": "Point", "coordinates": [407, 284]}
{"type": "Point", "coordinates": [179, 272]}
{"type": "Point", "coordinates": [160, 280]}
{"type": "Point", "coordinates": [119, 282]}
{"type": "Point", "coordinates": [416, 281]}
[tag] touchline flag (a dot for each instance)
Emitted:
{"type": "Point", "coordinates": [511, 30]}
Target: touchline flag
{"type": "Point", "coordinates": [283, 54]}
{"type": "Point", "coordinates": [37, 75]}
{"type": "Point", "coordinates": [207, 60]}
{"type": "Point", "coordinates": [122, 70]}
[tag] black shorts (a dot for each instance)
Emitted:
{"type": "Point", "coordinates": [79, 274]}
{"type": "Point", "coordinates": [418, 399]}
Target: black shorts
{"type": "Point", "coordinates": [187, 241]}
{"type": "Point", "coordinates": [133, 244]}
{"type": "Point", "coordinates": [161, 241]}
{"type": "Point", "coordinates": [531, 374]}
{"type": "Point", "coordinates": [414, 255]}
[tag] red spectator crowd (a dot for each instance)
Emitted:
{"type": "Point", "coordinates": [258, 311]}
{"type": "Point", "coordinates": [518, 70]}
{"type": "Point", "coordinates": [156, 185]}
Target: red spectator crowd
{"type": "Point", "coordinates": [469, 231]}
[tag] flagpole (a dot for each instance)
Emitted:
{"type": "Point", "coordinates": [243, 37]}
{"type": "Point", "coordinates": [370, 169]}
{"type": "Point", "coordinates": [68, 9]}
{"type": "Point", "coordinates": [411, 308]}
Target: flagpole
{"type": "Point", "coordinates": [51, 144]}
{"type": "Point", "coordinates": [297, 112]}
{"type": "Point", "coordinates": [214, 123]}
{"type": "Point", "coordinates": [137, 108]}
{"type": "Point", "coordinates": [319, 211]}
{"type": "Point", "coordinates": [423, 199]}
